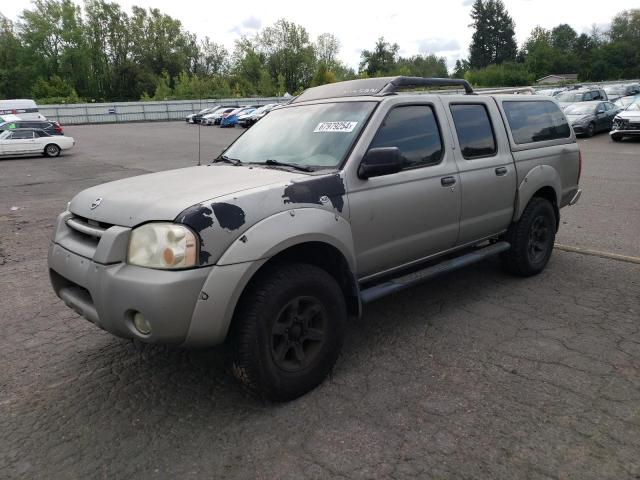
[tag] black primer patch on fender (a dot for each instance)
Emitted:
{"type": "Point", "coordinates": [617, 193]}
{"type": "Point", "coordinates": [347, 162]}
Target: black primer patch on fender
{"type": "Point", "coordinates": [204, 257]}
{"type": "Point", "coordinates": [197, 217]}
{"type": "Point", "coordinates": [310, 191]}
{"type": "Point", "coordinates": [229, 216]}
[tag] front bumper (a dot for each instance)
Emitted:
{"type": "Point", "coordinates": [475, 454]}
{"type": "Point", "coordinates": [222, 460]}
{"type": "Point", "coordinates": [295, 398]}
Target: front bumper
{"type": "Point", "coordinates": [625, 132]}
{"type": "Point", "coordinates": [579, 129]}
{"type": "Point", "coordinates": [109, 295]}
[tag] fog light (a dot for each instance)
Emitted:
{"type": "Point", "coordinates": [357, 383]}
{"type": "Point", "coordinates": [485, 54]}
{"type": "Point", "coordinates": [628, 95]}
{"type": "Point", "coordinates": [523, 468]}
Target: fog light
{"type": "Point", "coordinates": [141, 324]}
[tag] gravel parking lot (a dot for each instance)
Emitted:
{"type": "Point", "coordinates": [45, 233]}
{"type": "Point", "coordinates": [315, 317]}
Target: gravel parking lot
{"type": "Point", "coordinates": [475, 375]}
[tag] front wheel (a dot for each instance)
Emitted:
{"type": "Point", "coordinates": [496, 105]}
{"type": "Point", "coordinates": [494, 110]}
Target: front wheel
{"type": "Point", "coordinates": [616, 138]}
{"type": "Point", "coordinates": [52, 150]}
{"type": "Point", "coordinates": [288, 331]}
{"type": "Point", "coordinates": [531, 238]}
{"type": "Point", "coordinates": [591, 130]}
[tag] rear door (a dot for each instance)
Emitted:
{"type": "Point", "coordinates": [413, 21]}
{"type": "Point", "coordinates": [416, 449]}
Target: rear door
{"type": "Point", "coordinates": [487, 172]}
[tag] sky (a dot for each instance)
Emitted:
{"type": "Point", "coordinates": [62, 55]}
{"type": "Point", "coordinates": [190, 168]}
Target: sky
{"type": "Point", "coordinates": [425, 26]}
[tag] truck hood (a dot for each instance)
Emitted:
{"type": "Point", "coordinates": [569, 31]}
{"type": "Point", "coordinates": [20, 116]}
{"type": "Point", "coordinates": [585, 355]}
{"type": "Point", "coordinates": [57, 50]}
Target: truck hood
{"type": "Point", "coordinates": [163, 195]}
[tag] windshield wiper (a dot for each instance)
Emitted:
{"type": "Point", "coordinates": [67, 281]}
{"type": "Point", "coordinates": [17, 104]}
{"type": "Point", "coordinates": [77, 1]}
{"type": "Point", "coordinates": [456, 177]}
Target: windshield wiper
{"type": "Point", "coordinates": [224, 158]}
{"type": "Point", "coordinates": [303, 168]}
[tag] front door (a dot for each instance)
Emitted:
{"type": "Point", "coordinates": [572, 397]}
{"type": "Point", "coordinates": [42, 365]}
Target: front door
{"type": "Point", "coordinates": [487, 171]}
{"type": "Point", "coordinates": [18, 142]}
{"type": "Point", "coordinates": [409, 215]}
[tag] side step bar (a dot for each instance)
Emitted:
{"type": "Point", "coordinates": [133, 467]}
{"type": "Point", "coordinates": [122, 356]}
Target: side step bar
{"type": "Point", "coordinates": [400, 283]}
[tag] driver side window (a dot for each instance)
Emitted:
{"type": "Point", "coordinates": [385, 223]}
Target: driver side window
{"type": "Point", "coordinates": [413, 129]}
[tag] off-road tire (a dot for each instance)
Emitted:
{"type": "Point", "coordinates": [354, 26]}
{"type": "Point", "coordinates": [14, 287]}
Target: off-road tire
{"type": "Point", "coordinates": [528, 254]}
{"type": "Point", "coordinates": [255, 361]}
{"type": "Point", "coordinates": [51, 150]}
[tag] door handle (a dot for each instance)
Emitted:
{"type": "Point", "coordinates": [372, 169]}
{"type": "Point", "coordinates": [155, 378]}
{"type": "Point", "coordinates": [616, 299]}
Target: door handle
{"type": "Point", "coordinates": [447, 181]}
{"type": "Point", "coordinates": [500, 171]}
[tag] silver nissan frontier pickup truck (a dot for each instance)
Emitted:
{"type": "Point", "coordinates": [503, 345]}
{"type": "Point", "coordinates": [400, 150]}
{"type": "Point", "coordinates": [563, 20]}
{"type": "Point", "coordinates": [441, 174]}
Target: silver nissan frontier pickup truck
{"type": "Point", "coordinates": [350, 192]}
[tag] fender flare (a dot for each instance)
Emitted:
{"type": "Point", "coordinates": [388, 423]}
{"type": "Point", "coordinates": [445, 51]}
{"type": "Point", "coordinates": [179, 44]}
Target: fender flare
{"type": "Point", "coordinates": [278, 232]}
{"type": "Point", "coordinates": [236, 267]}
{"type": "Point", "coordinates": [537, 178]}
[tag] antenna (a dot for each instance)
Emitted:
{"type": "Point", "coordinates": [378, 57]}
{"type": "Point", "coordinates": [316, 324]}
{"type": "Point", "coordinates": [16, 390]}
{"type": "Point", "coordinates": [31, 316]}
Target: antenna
{"type": "Point", "coordinates": [199, 126]}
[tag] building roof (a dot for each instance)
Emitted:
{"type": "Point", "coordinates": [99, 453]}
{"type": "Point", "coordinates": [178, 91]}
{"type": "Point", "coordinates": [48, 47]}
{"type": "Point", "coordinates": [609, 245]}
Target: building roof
{"type": "Point", "coordinates": [564, 76]}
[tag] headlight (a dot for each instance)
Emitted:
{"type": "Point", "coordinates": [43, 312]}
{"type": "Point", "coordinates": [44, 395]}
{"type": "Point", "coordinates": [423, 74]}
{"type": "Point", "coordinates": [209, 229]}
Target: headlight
{"type": "Point", "coordinates": [162, 245]}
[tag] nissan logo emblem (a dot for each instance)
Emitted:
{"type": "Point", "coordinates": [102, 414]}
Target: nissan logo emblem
{"type": "Point", "coordinates": [96, 203]}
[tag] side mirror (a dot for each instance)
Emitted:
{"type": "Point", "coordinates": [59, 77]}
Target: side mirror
{"type": "Point", "coordinates": [380, 161]}
{"type": "Point", "coordinates": [600, 111]}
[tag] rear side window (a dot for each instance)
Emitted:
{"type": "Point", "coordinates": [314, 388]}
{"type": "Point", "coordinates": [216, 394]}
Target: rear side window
{"type": "Point", "coordinates": [474, 130]}
{"type": "Point", "coordinates": [414, 130]}
{"type": "Point", "coordinates": [21, 135]}
{"type": "Point", "coordinates": [535, 121]}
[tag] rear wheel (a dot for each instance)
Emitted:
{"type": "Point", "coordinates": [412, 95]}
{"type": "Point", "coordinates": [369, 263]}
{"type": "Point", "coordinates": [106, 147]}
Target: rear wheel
{"type": "Point", "coordinates": [288, 331]}
{"type": "Point", "coordinates": [52, 150]}
{"type": "Point", "coordinates": [531, 238]}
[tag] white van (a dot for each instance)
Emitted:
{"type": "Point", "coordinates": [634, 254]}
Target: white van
{"type": "Point", "coordinates": [25, 109]}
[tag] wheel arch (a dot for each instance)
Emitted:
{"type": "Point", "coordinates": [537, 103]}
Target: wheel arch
{"type": "Point", "coordinates": [542, 181]}
{"type": "Point", "coordinates": [310, 235]}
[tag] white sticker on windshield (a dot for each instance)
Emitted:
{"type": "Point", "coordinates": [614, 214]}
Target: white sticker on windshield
{"type": "Point", "coordinates": [325, 127]}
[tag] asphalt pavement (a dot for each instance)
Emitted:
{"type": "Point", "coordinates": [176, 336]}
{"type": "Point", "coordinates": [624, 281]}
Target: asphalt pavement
{"type": "Point", "coordinates": [475, 375]}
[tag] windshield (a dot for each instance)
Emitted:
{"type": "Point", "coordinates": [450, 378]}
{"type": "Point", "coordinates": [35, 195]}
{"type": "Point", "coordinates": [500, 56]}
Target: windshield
{"type": "Point", "coordinates": [580, 109]}
{"type": "Point", "coordinates": [307, 135]}
{"type": "Point", "coordinates": [569, 97]}
{"type": "Point", "coordinates": [634, 107]}
{"type": "Point", "coordinates": [5, 133]}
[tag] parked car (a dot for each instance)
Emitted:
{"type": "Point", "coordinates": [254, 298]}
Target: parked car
{"type": "Point", "coordinates": [26, 109]}
{"type": "Point", "coordinates": [624, 102]}
{"type": "Point", "coordinates": [52, 128]}
{"type": "Point", "coordinates": [614, 92]}
{"type": "Point", "coordinates": [626, 123]}
{"type": "Point", "coordinates": [28, 141]}
{"type": "Point", "coordinates": [197, 117]}
{"type": "Point", "coordinates": [550, 92]}
{"type": "Point", "coordinates": [249, 119]}
{"type": "Point", "coordinates": [342, 196]}
{"type": "Point", "coordinates": [215, 117]}
{"type": "Point", "coordinates": [581, 95]}
{"type": "Point", "coordinates": [231, 119]}
{"type": "Point", "coordinates": [589, 118]}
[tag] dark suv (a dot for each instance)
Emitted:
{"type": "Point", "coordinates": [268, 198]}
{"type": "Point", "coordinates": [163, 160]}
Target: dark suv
{"type": "Point", "coordinates": [52, 128]}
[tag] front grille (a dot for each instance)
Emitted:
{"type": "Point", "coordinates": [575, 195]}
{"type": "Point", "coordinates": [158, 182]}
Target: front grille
{"type": "Point", "coordinates": [83, 235]}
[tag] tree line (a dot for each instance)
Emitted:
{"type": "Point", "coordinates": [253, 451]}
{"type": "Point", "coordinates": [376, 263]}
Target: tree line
{"type": "Point", "coordinates": [61, 52]}
{"type": "Point", "coordinates": [495, 60]}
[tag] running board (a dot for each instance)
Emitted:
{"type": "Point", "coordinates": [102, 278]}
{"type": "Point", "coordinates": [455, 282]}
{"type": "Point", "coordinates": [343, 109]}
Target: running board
{"type": "Point", "coordinates": [400, 283]}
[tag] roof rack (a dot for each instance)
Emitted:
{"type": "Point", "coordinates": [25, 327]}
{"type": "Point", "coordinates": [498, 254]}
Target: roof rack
{"type": "Point", "coordinates": [412, 82]}
{"type": "Point", "coordinates": [377, 86]}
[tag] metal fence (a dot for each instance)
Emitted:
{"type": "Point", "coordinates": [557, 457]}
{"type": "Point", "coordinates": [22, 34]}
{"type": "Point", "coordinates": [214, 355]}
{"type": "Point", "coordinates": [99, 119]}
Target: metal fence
{"type": "Point", "coordinates": [121, 112]}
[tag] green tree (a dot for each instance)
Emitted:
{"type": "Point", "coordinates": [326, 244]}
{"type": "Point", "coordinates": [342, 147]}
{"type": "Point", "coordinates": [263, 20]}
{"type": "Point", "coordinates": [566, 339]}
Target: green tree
{"type": "Point", "coordinates": [563, 37]}
{"type": "Point", "coordinates": [493, 40]}
{"type": "Point", "coordinates": [288, 52]}
{"type": "Point", "coordinates": [381, 60]}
